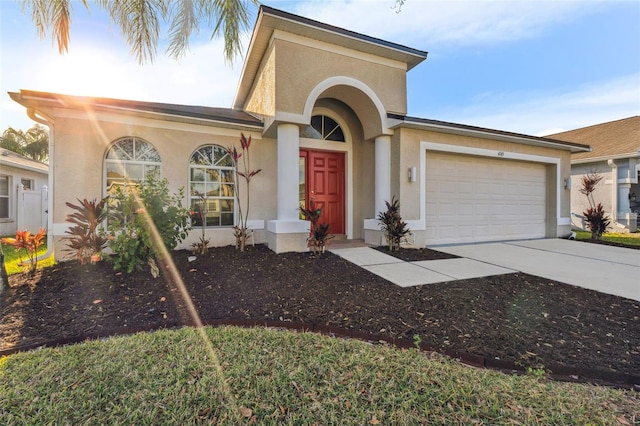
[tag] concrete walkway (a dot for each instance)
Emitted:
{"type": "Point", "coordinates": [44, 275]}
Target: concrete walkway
{"type": "Point", "coordinates": [607, 269]}
{"type": "Point", "coordinates": [407, 274]}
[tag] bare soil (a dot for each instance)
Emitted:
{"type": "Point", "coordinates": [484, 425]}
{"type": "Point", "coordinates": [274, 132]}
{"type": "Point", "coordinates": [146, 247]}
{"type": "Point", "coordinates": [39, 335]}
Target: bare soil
{"type": "Point", "coordinates": [512, 321]}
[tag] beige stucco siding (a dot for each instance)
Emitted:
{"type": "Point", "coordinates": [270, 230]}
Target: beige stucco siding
{"type": "Point", "coordinates": [299, 69]}
{"type": "Point", "coordinates": [81, 146]}
{"type": "Point", "coordinates": [406, 153]}
{"type": "Point", "coordinates": [261, 100]}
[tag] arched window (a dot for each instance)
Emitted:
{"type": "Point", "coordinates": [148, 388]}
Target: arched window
{"type": "Point", "coordinates": [211, 187]}
{"type": "Point", "coordinates": [130, 160]}
{"type": "Point", "coordinates": [325, 128]}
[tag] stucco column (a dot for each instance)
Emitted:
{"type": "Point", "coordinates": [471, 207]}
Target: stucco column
{"type": "Point", "coordinates": [288, 154]}
{"type": "Point", "coordinates": [624, 205]}
{"type": "Point", "coordinates": [382, 173]}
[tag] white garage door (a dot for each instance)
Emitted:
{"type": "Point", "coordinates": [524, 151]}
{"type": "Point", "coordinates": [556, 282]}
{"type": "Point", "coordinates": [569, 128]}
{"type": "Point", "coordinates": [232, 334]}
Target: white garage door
{"type": "Point", "coordinates": [475, 199]}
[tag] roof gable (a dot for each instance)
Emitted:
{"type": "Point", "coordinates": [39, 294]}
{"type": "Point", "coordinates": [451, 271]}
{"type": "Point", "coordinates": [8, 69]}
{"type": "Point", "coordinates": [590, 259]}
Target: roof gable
{"type": "Point", "coordinates": [271, 20]}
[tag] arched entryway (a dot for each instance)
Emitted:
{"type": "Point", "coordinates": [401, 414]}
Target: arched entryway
{"type": "Point", "coordinates": [324, 148]}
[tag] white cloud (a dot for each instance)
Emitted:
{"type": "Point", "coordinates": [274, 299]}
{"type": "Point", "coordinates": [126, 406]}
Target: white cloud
{"type": "Point", "coordinates": [551, 112]}
{"type": "Point", "coordinates": [427, 24]}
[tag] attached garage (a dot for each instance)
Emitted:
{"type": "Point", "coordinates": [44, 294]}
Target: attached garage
{"type": "Point", "coordinates": [475, 199]}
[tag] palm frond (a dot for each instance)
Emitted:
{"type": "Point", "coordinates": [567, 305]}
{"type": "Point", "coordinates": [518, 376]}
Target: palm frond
{"type": "Point", "coordinates": [185, 21]}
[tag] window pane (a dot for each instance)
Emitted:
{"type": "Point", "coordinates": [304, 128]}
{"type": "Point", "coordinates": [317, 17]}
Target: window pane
{"type": "Point", "coordinates": [336, 135]}
{"type": "Point", "coordinates": [26, 184]}
{"type": "Point", "coordinates": [196, 212]}
{"type": "Point", "coordinates": [124, 150]}
{"type": "Point", "coordinates": [213, 189]}
{"type": "Point", "coordinates": [134, 171]}
{"type": "Point", "coordinates": [4, 207]}
{"type": "Point", "coordinates": [213, 175]}
{"type": "Point", "coordinates": [316, 123]}
{"type": "Point", "coordinates": [197, 175]}
{"type": "Point", "coordinates": [226, 219]}
{"type": "Point", "coordinates": [197, 189]}
{"type": "Point", "coordinates": [151, 171]}
{"type": "Point", "coordinates": [115, 170]}
{"type": "Point", "coordinates": [227, 175]}
{"type": "Point", "coordinates": [226, 205]}
{"type": "Point", "coordinates": [227, 190]}
{"type": "Point", "coordinates": [146, 152]}
{"type": "Point", "coordinates": [4, 185]}
{"type": "Point", "coordinates": [225, 161]}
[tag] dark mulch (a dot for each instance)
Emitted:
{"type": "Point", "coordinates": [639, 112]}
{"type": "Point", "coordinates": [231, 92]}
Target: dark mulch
{"type": "Point", "coordinates": [506, 320]}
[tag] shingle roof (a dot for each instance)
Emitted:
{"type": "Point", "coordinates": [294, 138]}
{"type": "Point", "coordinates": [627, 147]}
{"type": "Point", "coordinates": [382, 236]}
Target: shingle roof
{"type": "Point", "coordinates": [10, 158]}
{"type": "Point", "coordinates": [615, 139]}
{"type": "Point", "coordinates": [465, 129]}
{"type": "Point", "coordinates": [186, 111]}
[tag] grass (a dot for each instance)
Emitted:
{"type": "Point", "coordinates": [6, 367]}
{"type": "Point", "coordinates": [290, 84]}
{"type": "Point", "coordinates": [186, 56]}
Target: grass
{"type": "Point", "coordinates": [12, 259]}
{"type": "Point", "coordinates": [263, 376]}
{"type": "Point", "coordinates": [629, 239]}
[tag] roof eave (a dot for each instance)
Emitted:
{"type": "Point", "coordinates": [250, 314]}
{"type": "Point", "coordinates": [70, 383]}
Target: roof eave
{"type": "Point", "coordinates": [606, 157]}
{"type": "Point", "coordinates": [30, 99]}
{"type": "Point", "coordinates": [464, 130]}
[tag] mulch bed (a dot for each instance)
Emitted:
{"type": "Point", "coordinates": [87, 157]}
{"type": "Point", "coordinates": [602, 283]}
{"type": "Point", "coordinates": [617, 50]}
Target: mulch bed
{"type": "Point", "coordinates": [511, 321]}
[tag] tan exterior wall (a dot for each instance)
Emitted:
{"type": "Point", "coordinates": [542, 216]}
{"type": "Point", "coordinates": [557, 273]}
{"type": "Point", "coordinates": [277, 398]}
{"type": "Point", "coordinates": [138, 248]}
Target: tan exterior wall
{"type": "Point", "coordinates": [262, 99]}
{"type": "Point", "coordinates": [299, 69]}
{"type": "Point", "coordinates": [81, 146]}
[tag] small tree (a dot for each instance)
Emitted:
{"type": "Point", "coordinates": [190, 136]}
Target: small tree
{"type": "Point", "coordinates": [28, 243]}
{"type": "Point", "coordinates": [597, 220]}
{"type": "Point", "coordinates": [145, 221]}
{"type": "Point", "coordinates": [241, 230]}
{"type": "Point", "coordinates": [319, 232]}
{"type": "Point", "coordinates": [85, 241]}
{"type": "Point", "coordinates": [395, 229]}
{"type": "Point", "coordinates": [202, 246]}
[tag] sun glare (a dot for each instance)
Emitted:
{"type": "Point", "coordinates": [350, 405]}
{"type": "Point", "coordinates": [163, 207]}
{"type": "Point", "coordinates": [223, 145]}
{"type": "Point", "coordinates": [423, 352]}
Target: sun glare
{"type": "Point", "coordinates": [86, 73]}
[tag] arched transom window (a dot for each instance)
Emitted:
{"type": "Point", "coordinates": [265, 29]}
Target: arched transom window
{"type": "Point", "coordinates": [211, 187]}
{"type": "Point", "coordinates": [130, 160]}
{"type": "Point", "coordinates": [325, 128]}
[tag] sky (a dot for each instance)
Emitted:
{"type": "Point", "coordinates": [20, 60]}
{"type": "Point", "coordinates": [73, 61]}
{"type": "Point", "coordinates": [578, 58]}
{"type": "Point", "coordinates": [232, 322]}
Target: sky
{"type": "Point", "coordinates": [529, 66]}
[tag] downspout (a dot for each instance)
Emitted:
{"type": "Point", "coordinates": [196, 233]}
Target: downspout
{"type": "Point", "coordinates": [614, 191]}
{"type": "Point", "coordinates": [46, 121]}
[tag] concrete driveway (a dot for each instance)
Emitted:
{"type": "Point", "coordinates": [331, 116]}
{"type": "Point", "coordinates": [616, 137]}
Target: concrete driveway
{"type": "Point", "coordinates": [607, 269]}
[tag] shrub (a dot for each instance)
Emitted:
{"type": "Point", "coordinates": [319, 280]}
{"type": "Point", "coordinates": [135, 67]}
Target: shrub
{"type": "Point", "coordinates": [319, 232]}
{"type": "Point", "coordinates": [85, 241]}
{"type": "Point", "coordinates": [395, 229]}
{"type": "Point", "coordinates": [145, 221]}
{"type": "Point", "coordinates": [28, 243]}
{"type": "Point", "coordinates": [595, 217]}
{"type": "Point", "coordinates": [202, 246]}
{"type": "Point", "coordinates": [241, 229]}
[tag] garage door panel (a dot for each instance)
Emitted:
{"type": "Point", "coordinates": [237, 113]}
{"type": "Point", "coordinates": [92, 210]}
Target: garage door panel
{"type": "Point", "coordinates": [474, 199]}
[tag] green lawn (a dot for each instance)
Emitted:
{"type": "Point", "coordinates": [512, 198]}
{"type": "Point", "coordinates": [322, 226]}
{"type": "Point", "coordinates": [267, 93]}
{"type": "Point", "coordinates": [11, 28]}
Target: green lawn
{"type": "Point", "coordinates": [234, 376]}
{"type": "Point", "coordinates": [629, 239]}
{"type": "Point", "coordinates": [12, 259]}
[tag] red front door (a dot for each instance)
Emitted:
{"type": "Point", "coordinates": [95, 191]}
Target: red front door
{"type": "Point", "coordinates": [324, 175]}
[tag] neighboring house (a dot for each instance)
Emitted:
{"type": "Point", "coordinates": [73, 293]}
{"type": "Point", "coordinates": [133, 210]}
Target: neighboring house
{"type": "Point", "coordinates": [615, 156]}
{"type": "Point", "coordinates": [327, 111]}
{"type": "Point", "coordinates": [23, 193]}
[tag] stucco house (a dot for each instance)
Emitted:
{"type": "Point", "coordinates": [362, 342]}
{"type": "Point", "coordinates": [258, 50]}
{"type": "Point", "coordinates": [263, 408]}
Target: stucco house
{"type": "Point", "coordinates": [23, 193]}
{"type": "Point", "coordinates": [615, 156]}
{"type": "Point", "coordinates": [327, 111]}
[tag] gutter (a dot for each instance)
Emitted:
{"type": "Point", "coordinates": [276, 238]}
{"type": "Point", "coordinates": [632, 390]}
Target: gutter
{"type": "Point", "coordinates": [48, 122]}
{"type": "Point", "coordinates": [614, 190]}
